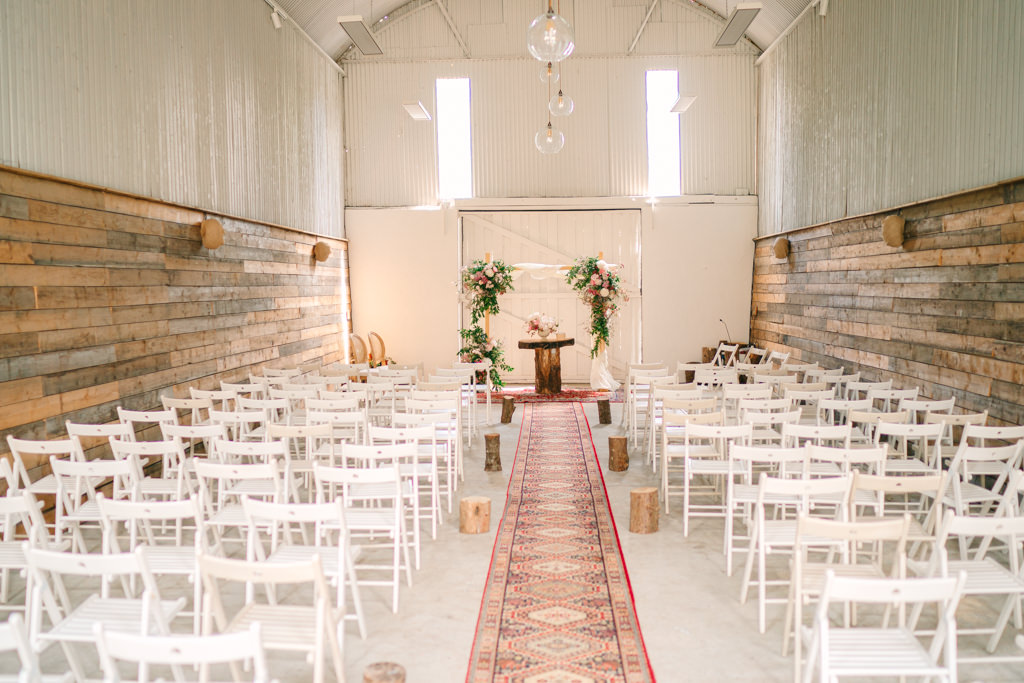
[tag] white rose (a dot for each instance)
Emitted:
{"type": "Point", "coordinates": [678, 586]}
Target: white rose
{"type": "Point", "coordinates": [489, 272]}
{"type": "Point", "coordinates": [604, 291]}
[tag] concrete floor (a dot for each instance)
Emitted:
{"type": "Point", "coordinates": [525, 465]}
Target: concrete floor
{"type": "Point", "coordinates": [693, 624]}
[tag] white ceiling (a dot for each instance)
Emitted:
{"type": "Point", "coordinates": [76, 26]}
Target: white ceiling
{"type": "Point", "coordinates": [318, 18]}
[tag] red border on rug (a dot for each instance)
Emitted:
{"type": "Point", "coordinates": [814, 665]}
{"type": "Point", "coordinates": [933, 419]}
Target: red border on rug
{"type": "Point", "coordinates": [615, 531]}
{"type": "Point", "coordinates": [618, 544]}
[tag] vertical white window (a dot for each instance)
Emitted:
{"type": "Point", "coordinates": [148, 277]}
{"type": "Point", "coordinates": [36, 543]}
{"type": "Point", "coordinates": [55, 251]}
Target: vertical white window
{"type": "Point", "coordinates": [663, 175]}
{"type": "Point", "coordinates": [454, 151]}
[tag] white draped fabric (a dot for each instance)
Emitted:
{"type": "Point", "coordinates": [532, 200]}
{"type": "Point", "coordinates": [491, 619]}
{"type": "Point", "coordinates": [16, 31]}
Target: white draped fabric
{"type": "Point", "coordinates": [600, 372]}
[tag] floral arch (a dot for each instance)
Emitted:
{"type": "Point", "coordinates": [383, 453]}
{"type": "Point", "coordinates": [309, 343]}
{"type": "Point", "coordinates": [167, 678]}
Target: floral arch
{"type": "Point", "coordinates": [596, 281]}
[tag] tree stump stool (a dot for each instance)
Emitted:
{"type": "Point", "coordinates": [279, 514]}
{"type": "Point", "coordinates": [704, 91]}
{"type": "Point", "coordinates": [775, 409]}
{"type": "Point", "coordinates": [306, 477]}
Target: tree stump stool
{"type": "Point", "coordinates": [604, 411]}
{"type": "Point", "coordinates": [384, 672]}
{"type": "Point", "coordinates": [618, 454]}
{"type": "Point", "coordinates": [475, 515]}
{"type": "Point", "coordinates": [643, 510]}
{"type": "Point", "coordinates": [508, 406]}
{"type": "Point", "coordinates": [492, 449]}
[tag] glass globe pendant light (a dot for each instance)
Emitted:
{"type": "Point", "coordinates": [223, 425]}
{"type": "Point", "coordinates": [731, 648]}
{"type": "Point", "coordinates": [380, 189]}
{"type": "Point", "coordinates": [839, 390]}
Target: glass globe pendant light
{"type": "Point", "coordinates": [561, 105]}
{"type": "Point", "coordinates": [549, 140]}
{"type": "Point", "coordinates": [548, 73]}
{"type": "Point", "coordinates": [549, 37]}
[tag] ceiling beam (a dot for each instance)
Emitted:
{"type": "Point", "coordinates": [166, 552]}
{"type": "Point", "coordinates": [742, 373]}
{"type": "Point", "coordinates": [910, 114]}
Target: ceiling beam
{"type": "Point", "coordinates": [792, 25]}
{"type": "Point", "coordinates": [451, 25]}
{"type": "Point", "coordinates": [643, 25]}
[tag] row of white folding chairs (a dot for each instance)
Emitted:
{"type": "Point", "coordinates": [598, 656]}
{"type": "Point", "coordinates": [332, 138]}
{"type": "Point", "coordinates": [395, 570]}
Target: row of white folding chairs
{"type": "Point", "coordinates": [46, 567]}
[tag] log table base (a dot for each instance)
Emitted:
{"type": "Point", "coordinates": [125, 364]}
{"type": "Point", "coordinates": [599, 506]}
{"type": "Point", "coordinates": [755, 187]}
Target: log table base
{"type": "Point", "coordinates": [492, 450]}
{"type": "Point", "coordinates": [643, 510]}
{"type": "Point", "coordinates": [618, 454]}
{"type": "Point", "coordinates": [547, 362]}
{"type": "Point", "coordinates": [475, 514]}
{"type": "Point", "coordinates": [384, 672]}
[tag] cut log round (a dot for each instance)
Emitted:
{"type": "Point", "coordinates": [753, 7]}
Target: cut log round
{"type": "Point", "coordinates": [384, 672]}
{"type": "Point", "coordinates": [618, 454]}
{"type": "Point", "coordinates": [475, 515]}
{"type": "Point", "coordinates": [643, 510]}
{"type": "Point", "coordinates": [492, 449]}
{"type": "Point", "coordinates": [508, 406]}
{"type": "Point", "coordinates": [604, 411]}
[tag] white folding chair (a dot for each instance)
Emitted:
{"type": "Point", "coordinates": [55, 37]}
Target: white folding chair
{"type": "Point", "coordinates": [160, 525]}
{"type": "Point", "coordinates": [309, 625]}
{"type": "Point", "coordinates": [148, 651]}
{"type": "Point", "coordinates": [272, 539]}
{"type": "Point", "coordinates": [987, 576]}
{"type": "Point", "coordinates": [75, 503]}
{"type": "Point", "coordinates": [884, 651]}
{"type": "Point", "coordinates": [71, 620]}
{"type": "Point", "coordinates": [14, 638]}
{"type": "Point", "coordinates": [706, 450]}
{"type": "Point", "coordinates": [772, 534]}
{"type": "Point", "coordinates": [374, 506]}
{"type": "Point", "coordinates": [146, 423]}
{"type": "Point", "coordinates": [842, 546]}
{"type": "Point", "coordinates": [18, 508]}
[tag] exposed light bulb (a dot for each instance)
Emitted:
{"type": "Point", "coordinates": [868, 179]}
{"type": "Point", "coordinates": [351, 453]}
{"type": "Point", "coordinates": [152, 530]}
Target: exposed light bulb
{"type": "Point", "coordinates": [549, 37]}
{"type": "Point", "coordinates": [561, 105]}
{"type": "Point", "coordinates": [548, 72]}
{"type": "Point", "coordinates": [549, 140]}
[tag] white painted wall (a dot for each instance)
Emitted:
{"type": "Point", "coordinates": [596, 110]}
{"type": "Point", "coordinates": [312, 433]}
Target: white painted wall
{"type": "Point", "coordinates": [696, 267]}
{"type": "Point", "coordinates": [403, 264]}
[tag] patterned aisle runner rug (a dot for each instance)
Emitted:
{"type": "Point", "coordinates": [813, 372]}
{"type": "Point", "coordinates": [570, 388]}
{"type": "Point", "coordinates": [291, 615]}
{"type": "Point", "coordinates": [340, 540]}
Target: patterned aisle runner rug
{"type": "Point", "coordinates": [557, 607]}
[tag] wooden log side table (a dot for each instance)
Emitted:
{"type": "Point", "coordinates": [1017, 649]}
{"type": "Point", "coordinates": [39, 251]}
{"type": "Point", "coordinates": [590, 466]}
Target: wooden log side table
{"type": "Point", "coordinates": [547, 362]}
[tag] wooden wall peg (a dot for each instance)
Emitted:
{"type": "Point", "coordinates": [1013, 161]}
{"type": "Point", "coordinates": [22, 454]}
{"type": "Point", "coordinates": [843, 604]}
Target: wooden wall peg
{"type": "Point", "coordinates": [492, 449]}
{"type": "Point", "coordinates": [508, 406]}
{"type": "Point", "coordinates": [618, 454]}
{"type": "Point", "coordinates": [643, 510]}
{"type": "Point", "coordinates": [211, 232]}
{"type": "Point", "coordinates": [475, 515]}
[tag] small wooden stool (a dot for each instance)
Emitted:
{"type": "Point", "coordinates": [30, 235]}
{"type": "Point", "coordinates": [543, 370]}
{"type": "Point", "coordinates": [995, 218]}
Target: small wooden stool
{"type": "Point", "coordinates": [384, 672]}
{"type": "Point", "coordinates": [475, 515]}
{"type": "Point", "coordinates": [492, 449]}
{"type": "Point", "coordinates": [643, 510]}
{"type": "Point", "coordinates": [604, 411]}
{"type": "Point", "coordinates": [618, 454]}
{"type": "Point", "coordinates": [508, 406]}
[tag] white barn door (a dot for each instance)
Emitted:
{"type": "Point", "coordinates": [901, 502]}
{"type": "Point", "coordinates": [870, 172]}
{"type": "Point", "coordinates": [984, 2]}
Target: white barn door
{"type": "Point", "coordinates": [558, 237]}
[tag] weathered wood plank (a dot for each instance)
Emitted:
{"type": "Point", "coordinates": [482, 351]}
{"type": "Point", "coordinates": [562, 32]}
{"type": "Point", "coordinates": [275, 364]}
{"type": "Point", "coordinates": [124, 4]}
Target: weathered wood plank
{"type": "Point", "coordinates": [944, 312]}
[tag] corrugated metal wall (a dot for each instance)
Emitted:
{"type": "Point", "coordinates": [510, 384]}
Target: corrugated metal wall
{"type": "Point", "coordinates": [194, 102]}
{"type": "Point", "coordinates": [883, 103]}
{"type": "Point", "coordinates": [391, 159]}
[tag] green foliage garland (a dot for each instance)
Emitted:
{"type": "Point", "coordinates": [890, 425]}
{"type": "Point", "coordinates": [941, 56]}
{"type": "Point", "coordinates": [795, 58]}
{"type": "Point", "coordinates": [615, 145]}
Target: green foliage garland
{"type": "Point", "coordinates": [482, 283]}
{"type": "Point", "coordinates": [476, 347]}
{"type": "Point", "coordinates": [600, 288]}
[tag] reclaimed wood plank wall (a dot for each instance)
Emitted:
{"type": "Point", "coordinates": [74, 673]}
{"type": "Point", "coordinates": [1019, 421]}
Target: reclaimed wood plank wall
{"type": "Point", "coordinates": [108, 299]}
{"type": "Point", "coordinates": [944, 312]}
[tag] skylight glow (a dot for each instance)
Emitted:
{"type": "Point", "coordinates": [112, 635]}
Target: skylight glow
{"type": "Point", "coordinates": [663, 174]}
{"type": "Point", "coordinates": [454, 149]}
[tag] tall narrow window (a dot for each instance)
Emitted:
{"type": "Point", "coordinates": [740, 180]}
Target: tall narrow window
{"type": "Point", "coordinates": [663, 176]}
{"type": "Point", "coordinates": [454, 151]}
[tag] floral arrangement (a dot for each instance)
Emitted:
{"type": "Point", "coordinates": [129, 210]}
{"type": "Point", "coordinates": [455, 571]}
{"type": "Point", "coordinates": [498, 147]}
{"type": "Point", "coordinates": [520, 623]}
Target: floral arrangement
{"type": "Point", "coordinates": [601, 289]}
{"type": "Point", "coordinates": [541, 324]}
{"type": "Point", "coordinates": [476, 347]}
{"type": "Point", "coordinates": [482, 283]}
